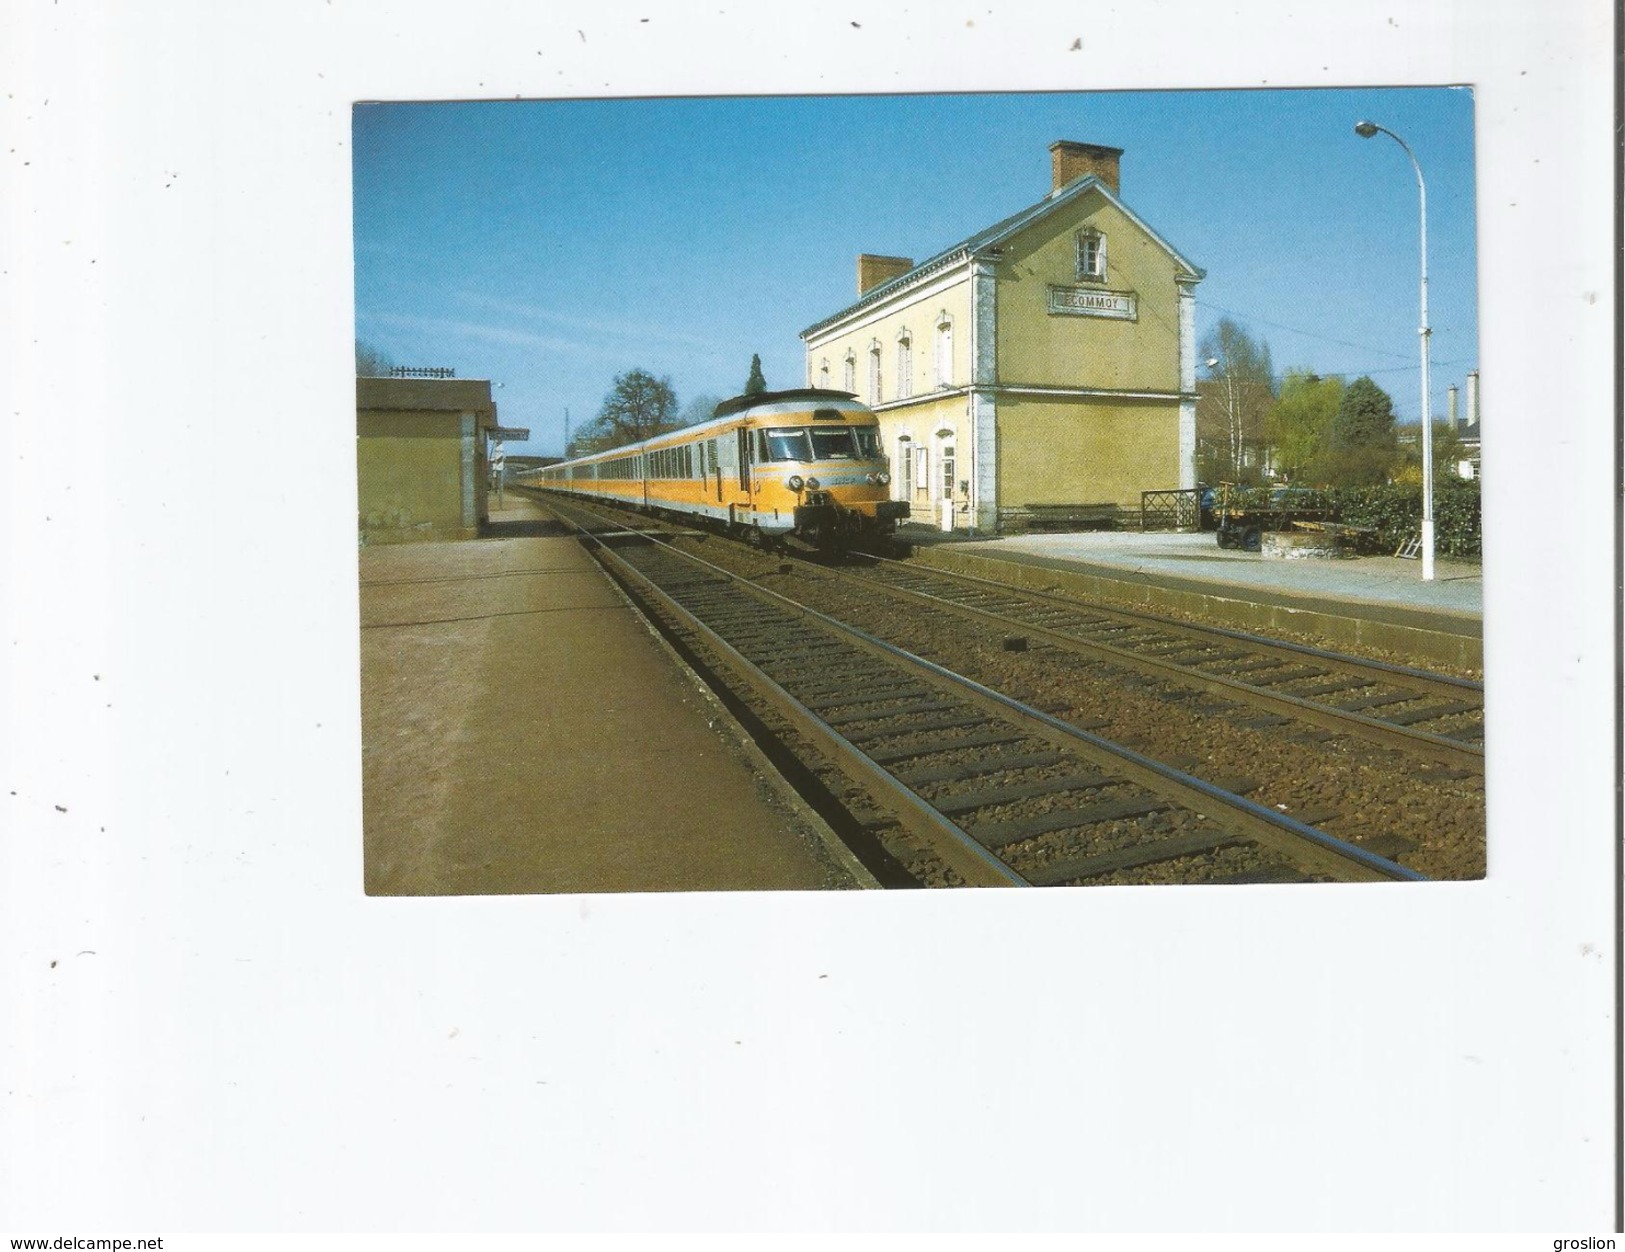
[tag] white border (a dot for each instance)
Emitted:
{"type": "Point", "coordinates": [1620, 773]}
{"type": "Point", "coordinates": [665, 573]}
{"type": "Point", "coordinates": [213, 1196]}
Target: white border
{"type": "Point", "coordinates": [209, 1027]}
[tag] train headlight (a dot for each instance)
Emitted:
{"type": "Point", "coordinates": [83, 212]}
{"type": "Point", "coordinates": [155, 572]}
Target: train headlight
{"type": "Point", "coordinates": [793, 482]}
{"type": "Point", "coordinates": [812, 484]}
{"type": "Point", "coordinates": [880, 479]}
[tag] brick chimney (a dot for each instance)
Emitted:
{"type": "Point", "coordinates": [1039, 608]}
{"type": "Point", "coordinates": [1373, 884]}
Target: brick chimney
{"type": "Point", "coordinates": [1069, 160]}
{"type": "Point", "coordinates": [874, 270]}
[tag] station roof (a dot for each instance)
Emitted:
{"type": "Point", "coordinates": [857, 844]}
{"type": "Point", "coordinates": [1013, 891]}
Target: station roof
{"type": "Point", "coordinates": [445, 395]}
{"type": "Point", "coordinates": [993, 236]}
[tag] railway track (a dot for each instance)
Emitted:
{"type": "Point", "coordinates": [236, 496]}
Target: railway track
{"type": "Point", "coordinates": [995, 791]}
{"type": "Point", "coordinates": [1432, 715]}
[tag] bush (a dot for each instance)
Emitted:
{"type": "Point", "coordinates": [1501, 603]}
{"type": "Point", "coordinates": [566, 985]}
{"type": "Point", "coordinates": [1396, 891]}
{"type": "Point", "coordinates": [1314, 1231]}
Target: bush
{"type": "Point", "coordinates": [1396, 512]}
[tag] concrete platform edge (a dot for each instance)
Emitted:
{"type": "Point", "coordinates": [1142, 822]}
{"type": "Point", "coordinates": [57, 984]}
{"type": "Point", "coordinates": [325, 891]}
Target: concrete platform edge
{"type": "Point", "coordinates": [1225, 607]}
{"type": "Point", "coordinates": [837, 851]}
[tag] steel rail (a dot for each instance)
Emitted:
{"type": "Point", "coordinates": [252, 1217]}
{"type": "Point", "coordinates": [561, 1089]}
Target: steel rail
{"type": "Point", "coordinates": [974, 863]}
{"type": "Point", "coordinates": [1263, 825]}
{"type": "Point", "coordinates": [1440, 684]}
{"type": "Point", "coordinates": [1440, 747]}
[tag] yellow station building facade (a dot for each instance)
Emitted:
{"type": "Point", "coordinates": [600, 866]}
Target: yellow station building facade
{"type": "Point", "coordinates": [1047, 360]}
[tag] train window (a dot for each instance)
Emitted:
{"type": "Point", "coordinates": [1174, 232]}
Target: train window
{"type": "Point", "coordinates": [788, 445]}
{"type": "Point", "coordinates": [832, 444]}
{"type": "Point", "coordinates": [868, 438]}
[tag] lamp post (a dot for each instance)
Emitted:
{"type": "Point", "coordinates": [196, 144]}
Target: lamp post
{"type": "Point", "coordinates": [1366, 130]}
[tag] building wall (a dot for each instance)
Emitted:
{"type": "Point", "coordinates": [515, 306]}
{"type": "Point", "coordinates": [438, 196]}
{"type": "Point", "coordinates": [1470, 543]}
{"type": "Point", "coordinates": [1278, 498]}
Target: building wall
{"type": "Point", "coordinates": [919, 314]}
{"type": "Point", "coordinates": [934, 425]}
{"type": "Point", "coordinates": [1019, 437]}
{"type": "Point", "coordinates": [1073, 451]}
{"type": "Point", "coordinates": [411, 476]}
{"type": "Point", "coordinates": [1042, 348]}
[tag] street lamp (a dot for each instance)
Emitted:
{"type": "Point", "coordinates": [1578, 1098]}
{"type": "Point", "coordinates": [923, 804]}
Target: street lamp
{"type": "Point", "coordinates": [1366, 130]}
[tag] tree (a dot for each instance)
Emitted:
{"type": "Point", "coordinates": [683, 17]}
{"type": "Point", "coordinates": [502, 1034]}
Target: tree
{"type": "Point", "coordinates": [755, 384]}
{"type": "Point", "coordinates": [371, 362]}
{"type": "Point", "coordinates": [1299, 427]}
{"type": "Point", "coordinates": [1448, 453]}
{"type": "Point", "coordinates": [639, 405]}
{"type": "Point", "coordinates": [1239, 399]}
{"type": "Point", "coordinates": [1364, 443]}
{"type": "Point", "coordinates": [699, 409]}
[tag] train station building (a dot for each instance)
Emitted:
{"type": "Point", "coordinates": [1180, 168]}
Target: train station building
{"type": "Point", "coordinates": [1049, 359]}
{"type": "Point", "coordinates": [421, 469]}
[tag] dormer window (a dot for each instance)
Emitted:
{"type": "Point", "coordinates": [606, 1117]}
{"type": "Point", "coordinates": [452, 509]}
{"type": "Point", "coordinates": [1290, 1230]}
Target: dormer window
{"type": "Point", "coordinates": [1091, 256]}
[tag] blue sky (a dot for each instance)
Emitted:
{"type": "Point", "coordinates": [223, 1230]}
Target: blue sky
{"type": "Point", "coordinates": [550, 245]}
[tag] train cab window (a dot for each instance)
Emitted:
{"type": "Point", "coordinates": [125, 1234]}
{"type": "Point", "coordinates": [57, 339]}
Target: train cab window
{"type": "Point", "coordinates": [788, 445]}
{"type": "Point", "coordinates": [868, 440]}
{"type": "Point", "coordinates": [832, 443]}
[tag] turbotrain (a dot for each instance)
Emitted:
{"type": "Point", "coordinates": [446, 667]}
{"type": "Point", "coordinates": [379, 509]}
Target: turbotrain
{"type": "Point", "coordinates": [779, 464]}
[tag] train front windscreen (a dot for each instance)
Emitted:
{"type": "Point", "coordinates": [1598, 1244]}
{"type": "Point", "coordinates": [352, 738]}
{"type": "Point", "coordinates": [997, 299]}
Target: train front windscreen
{"type": "Point", "coordinates": [824, 443]}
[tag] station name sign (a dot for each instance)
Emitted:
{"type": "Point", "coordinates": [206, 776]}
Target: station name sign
{"type": "Point", "coordinates": [1090, 302]}
{"type": "Point", "coordinates": [516, 434]}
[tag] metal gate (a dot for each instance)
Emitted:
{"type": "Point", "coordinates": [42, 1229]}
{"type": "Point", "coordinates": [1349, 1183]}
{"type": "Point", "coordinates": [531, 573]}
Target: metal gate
{"type": "Point", "coordinates": [1171, 510]}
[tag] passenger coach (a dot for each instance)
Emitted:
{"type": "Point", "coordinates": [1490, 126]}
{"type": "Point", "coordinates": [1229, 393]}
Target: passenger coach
{"type": "Point", "coordinates": [805, 463]}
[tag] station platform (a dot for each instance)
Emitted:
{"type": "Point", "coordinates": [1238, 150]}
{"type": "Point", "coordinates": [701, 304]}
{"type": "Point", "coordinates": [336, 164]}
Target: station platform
{"type": "Point", "coordinates": [1375, 601]}
{"type": "Point", "coordinates": [523, 732]}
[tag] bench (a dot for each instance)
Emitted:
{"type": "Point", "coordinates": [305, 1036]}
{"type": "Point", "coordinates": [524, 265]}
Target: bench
{"type": "Point", "coordinates": [1068, 516]}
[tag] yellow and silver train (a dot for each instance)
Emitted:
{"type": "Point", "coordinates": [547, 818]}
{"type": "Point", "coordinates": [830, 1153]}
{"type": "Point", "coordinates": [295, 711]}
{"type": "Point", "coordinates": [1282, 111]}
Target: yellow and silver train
{"type": "Point", "coordinates": [804, 463]}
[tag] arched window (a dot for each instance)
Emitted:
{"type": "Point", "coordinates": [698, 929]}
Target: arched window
{"type": "Point", "coordinates": [849, 373]}
{"type": "Point", "coordinates": [905, 365]}
{"type": "Point", "coordinates": [945, 350]}
{"type": "Point", "coordinates": [874, 372]}
{"type": "Point", "coordinates": [823, 373]}
{"type": "Point", "coordinates": [904, 479]}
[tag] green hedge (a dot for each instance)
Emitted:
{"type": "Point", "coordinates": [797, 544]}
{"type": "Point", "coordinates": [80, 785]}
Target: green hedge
{"type": "Point", "coordinates": [1396, 512]}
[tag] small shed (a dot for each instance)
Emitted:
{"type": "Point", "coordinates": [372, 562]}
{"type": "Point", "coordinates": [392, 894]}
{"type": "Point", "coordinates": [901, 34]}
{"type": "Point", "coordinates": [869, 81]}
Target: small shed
{"type": "Point", "coordinates": [421, 457]}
